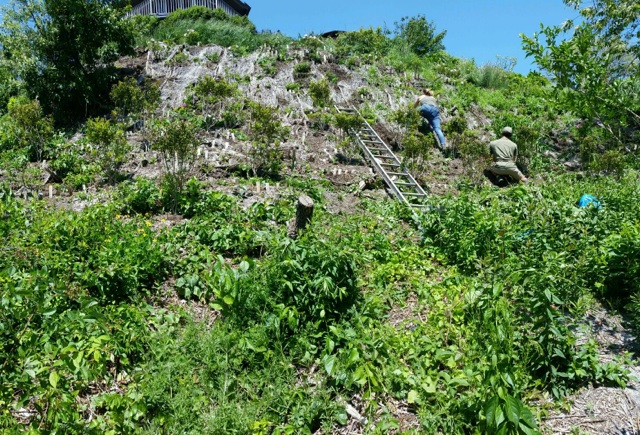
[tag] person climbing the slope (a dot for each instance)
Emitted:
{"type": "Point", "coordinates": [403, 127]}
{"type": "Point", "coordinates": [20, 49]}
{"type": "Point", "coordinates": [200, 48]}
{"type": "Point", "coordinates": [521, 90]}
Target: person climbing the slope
{"type": "Point", "coordinates": [505, 154]}
{"type": "Point", "coordinates": [428, 109]}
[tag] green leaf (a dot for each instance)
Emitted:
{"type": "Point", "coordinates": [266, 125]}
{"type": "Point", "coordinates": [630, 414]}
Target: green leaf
{"type": "Point", "coordinates": [412, 397]}
{"type": "Point", "coordinates": [490, 409]}
{"type": "Point", "coordinates": [54, 377]}
{"type": "Point", "coordinates": [228, 299]}
{"type": "Point", "coordinates": [512, 409]}
{"type": "Point", "coordinates": [329, 363]}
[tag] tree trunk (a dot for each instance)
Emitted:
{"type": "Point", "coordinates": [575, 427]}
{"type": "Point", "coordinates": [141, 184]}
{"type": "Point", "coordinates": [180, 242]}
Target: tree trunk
{"type": "Point", "coordinates": [304, 213]}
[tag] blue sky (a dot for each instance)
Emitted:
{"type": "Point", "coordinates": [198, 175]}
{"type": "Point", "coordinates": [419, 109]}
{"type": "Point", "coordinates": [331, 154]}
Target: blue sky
{"type": "Point", "coordinates": [478, 29]}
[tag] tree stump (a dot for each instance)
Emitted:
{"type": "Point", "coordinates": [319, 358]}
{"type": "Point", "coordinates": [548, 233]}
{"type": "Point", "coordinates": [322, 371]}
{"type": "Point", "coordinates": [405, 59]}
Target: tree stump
{"type": "Point", "coordinates": [304, 213]}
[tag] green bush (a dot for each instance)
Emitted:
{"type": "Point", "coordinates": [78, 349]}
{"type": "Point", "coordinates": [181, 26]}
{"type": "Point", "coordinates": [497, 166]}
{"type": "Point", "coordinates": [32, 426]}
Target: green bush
{"type": "Point", "coordinates": [266, 133]}
{"type": "Point", "coordinates": [109, 146]}
{"type": "Point", "coordinates": [27, 127]}
{"type": "Point", "coordinates": [320, 93]}
{"type": "Point", "coordinates": [301, 69]}
{"type": "Point", "coordinates": [314, 281]}
{"type": "Point", "coordinates": [141, 196]}
{"type": "Point", "coordinates": [176, 140]}
{"type": "Point", "coordinates": [364, 42]}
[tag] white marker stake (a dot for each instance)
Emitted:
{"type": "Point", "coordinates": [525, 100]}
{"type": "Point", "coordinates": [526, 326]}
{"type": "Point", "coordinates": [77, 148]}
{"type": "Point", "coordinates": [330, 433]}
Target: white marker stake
{"type": "Point", "coordinates": [258, 186]}
{"type": "Point", "coordinates": [50, 191]}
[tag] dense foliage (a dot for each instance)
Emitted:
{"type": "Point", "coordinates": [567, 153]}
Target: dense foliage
{"type": "Point", "coordinates": [62, 52]}
{"type": "Point", "coordinates": [594, 66]}
{"type": "Point", "coordinates": [163, 305]}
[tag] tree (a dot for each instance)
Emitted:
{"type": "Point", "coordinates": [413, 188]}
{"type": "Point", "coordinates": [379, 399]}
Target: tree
{"type": "Point", "coordinates": [420, 34]}
{"type": "Point", "coordinates": [62, 51]}
{"type": "Point", "coordinates": [595, 69]}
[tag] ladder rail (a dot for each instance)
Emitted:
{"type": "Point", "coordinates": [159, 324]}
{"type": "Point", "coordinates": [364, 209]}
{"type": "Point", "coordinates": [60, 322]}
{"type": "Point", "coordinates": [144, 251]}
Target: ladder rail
{"type": "Point", "coordinates": [390, 160]}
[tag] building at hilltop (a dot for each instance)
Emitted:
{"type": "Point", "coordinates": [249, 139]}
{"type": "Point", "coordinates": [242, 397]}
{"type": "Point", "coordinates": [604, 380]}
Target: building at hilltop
{"type": "Point", "coordinates": [162, 8]}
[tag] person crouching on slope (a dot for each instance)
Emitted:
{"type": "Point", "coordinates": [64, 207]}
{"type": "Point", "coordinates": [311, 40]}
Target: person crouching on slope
{"type": "Point", "coordinates": [429, 111]}
{"type": "Point", "coordinates": [505, 153]}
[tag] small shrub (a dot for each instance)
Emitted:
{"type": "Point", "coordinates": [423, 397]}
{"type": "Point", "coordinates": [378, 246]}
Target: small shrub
{"type": "Point", "coordinates": [177, 141]}
{"type": "Point", "coordinates": [140, 196]}
{"type": "Point", "coordinates": [347, 123]}
{"type": "Point", "coordinates": [364, 42]}
{"type": "Point", "coordinates": [301, 69]}
{"type": "Point", "coordinates": [320, 93]}
{"type": "Point", "coordinates": [212, 96]}
{"type": "Point", "coordinates": [293, 87]}
{"type": "Point", "coordinates": [29, 127]}
{"type": "Point", "coordinates": [265, 133]}
{"type": "Point", "coordinates": [213, 57]}
{"type": "Point", "coordinates": [315, 282]}
{"type": "Point", "coordinates": [268, 65]}
{"type": "Point", "coordinates": [109, 146]}
{"type": "Point", "coordinates": [179, 59]}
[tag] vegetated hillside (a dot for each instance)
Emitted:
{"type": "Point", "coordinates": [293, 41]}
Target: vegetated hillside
{"type": "Point", "coordinates": [157, 290]}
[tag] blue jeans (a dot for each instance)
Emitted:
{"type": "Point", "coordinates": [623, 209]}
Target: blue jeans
{"type": "Point", "coordinates": [432, 114]}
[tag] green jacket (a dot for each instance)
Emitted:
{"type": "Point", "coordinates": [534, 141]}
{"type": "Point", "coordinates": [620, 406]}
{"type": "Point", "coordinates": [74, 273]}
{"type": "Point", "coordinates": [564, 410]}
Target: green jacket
{"type": "Point", "coordinates": [504, 152]}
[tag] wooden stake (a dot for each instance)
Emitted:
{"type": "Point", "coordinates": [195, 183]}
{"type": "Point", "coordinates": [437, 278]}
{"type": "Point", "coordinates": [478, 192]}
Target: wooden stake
{"type": "Point", "coordinates": [304, 213]}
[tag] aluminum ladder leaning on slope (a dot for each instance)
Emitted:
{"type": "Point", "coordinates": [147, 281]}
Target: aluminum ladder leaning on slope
{"type": "Point", "coordinates": [402, 184]}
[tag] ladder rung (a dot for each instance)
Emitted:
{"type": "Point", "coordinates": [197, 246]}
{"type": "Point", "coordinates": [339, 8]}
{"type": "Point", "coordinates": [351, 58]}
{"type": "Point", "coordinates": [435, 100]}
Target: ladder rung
{"type": "Point", "coordinates": [386, 157]}
{"type": "Point", "coordinates": [398, 173]}
{"type": "Point", "coordinates": [371, 141]}
{"type": "Point", "coordinates": [389, 164]}
{"type": "Point", "coordinates": [412, 194]}
{"type": "Point", "coordinates": [404, 184]}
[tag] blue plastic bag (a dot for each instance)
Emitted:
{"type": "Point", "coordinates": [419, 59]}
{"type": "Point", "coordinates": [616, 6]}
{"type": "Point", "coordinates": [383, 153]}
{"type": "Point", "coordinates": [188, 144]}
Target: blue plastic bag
{"type": "Point", "coordinates": [587, 199]}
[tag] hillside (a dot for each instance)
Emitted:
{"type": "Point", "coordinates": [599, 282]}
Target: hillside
{"type": "Point", "coordinates": [151, 284]}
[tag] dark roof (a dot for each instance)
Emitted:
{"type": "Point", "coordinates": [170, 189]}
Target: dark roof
{"type": "Point", "coordinates": [238, 5]}
{"type": "Point", "coordinates": [332, 34]}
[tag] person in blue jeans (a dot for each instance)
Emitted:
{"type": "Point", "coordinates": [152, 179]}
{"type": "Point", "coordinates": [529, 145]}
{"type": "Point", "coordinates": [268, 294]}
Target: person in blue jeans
{"type": "Point", "coordinates": [428, 109]}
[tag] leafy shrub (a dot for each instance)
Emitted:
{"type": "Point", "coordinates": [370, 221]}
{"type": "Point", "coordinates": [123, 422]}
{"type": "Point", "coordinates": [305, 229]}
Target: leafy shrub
{"type": "Point", "coordinates": [109, 146]}
{"type": "Point", "coordinates": [301, 69]}
{"type": "Point", "coordinates": [212, 96]}
{"type": "Point", "coordinates": [268, 65]}
{"type": "Point", "coordinates": [141, 196]}
{"type": "Point", "coordinates": [347, 123]}
{"type": "Point", "coordinates": [364, 42]}
{"type": "Point", "coordinates": [266, 133]}
{"type": "Point", "coordinates": [420, 35]}
{"type": "Point", "coordinates": [293, 87]}
{"type": "Point", "coordinates": [176, 140]}
{"type": "Point", "coordinates": [133, 101]}
{"type": "Point", "coordinates": [28, 127]}
{"type": "Point", "coordinates": [320, 93]}
{"type": "Point", "coordinates": [314, 281]}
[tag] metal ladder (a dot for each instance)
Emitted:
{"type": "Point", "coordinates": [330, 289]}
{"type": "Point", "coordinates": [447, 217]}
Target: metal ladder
{"type": "Point", "coordinates": [401, 183]}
